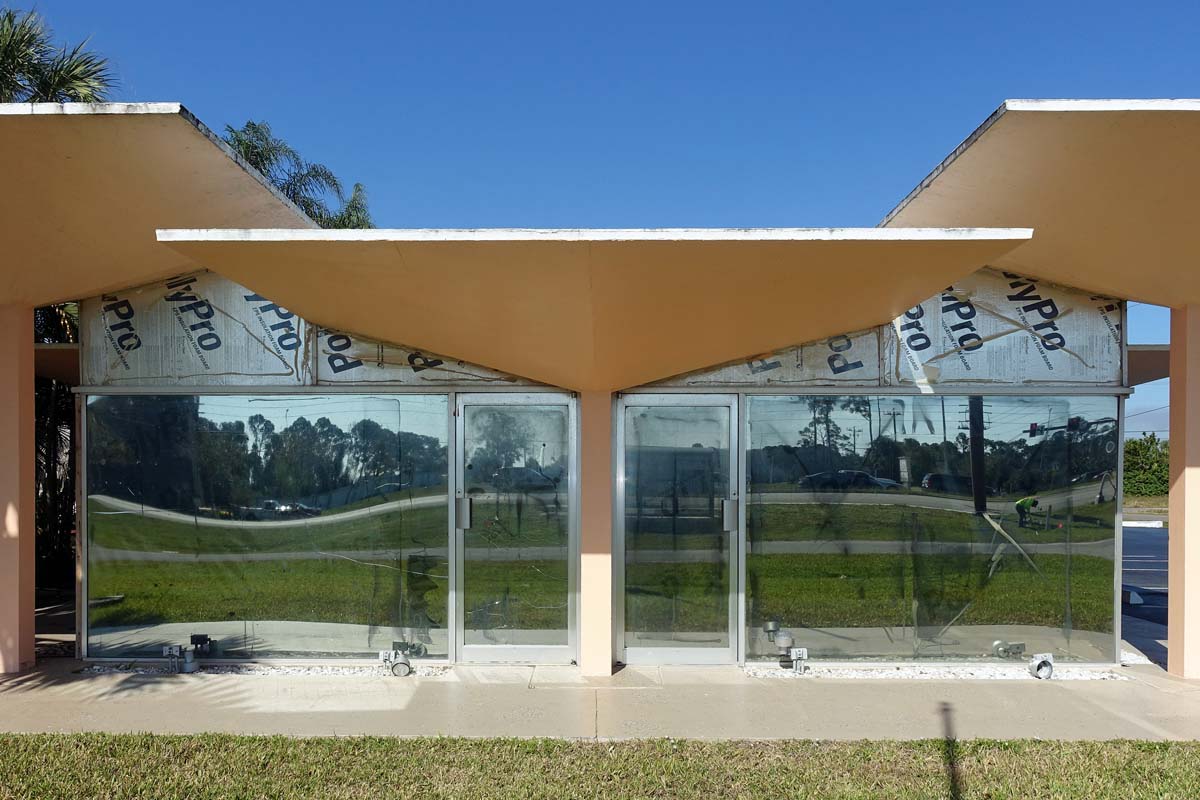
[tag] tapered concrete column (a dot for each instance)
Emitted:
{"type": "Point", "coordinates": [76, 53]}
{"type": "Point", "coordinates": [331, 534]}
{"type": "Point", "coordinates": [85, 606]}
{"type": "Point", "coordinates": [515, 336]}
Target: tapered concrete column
{"type": "Point", "coordinates": [596, 534]}
{"type": "Point", "coordinates": [16, 489]}
{"type": "Point", "coordinates": [1183, 567]}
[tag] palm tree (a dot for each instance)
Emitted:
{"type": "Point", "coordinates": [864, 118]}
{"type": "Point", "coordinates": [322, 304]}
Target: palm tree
{"type": "Point", "coordinates": [312, 187]}
{"type": "Point", "coordinates": [33, 70]}
{"type": "Point", "coordinates": [354, 212]}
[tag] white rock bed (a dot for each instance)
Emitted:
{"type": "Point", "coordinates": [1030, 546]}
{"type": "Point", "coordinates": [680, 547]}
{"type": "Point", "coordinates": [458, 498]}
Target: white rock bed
{"type": "Point", "coordinates": [1131, 657]}
{"type": "Point", "coordinates": [980, 672]}
{"type": "Point", "coordinates": [419, 670]}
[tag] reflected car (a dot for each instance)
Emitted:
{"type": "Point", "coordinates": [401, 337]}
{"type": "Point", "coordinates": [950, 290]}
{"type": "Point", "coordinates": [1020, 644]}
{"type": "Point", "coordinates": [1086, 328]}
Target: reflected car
{"type": "Point", "coordinates": [522, 479]}
{"type": "Point", "coordinates": [845, 480]}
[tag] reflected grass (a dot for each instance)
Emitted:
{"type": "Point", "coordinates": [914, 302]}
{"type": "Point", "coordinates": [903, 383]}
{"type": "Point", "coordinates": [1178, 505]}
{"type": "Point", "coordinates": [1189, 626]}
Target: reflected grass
{"type": "Point", "coordinates": [870, 591]}
{"type": "Point", "coordinates": [412, 592]}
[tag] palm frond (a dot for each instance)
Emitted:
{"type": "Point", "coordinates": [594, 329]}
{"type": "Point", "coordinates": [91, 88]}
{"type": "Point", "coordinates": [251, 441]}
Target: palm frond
{"type": "Point", "coordinates": [71, 76]}
{"type": "Point", "coordinates": [353, 214]}
{"type": "Point", "coordinates": [24, 42]}
{"type": "Point", "coordinates": [312, 187]}
{"type": "Point", "coordinates": [263, 150]}
{"type": "Point", "coordinates": [32, 70]}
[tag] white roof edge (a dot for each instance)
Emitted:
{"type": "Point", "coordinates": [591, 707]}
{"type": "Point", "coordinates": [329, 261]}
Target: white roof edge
{"type": "Point", "coordinates": [1150, 347]}
{"type": "Point", "coordinates": [592, 234]}
{"type": "Point", "coordinates": [1151, 104]}
{"type": "Point", "coordinates": [30, 109]}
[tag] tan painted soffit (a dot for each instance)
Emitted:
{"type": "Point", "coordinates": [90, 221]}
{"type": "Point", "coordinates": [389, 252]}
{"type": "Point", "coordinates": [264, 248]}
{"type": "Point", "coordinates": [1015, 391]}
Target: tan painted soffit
{"type": "Point", "coordinates": [1109, 185]}
{"type": "Point", "coordinates": [86, 185]}
{"type": "Point", "coordinates": [597, 309]}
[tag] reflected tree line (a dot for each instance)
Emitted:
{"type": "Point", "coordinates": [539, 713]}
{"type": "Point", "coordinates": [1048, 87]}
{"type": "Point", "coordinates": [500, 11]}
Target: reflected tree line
{"type": "Point", "coordinates": [162, 451]}
{"type": "Point", "coordinates": [878, 435]}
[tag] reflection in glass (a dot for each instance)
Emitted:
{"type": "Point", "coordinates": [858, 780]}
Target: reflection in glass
{"type": "Point", "coordinates": [515, 566]}
{"type": "Point", "coordinates": [279, 526]}
{"type": "Point", "coordinates": [676, 546]}
{"type": "Point", "coordinates": [932, 527]}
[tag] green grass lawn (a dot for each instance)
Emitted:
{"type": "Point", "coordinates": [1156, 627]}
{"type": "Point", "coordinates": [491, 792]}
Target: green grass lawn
{"type": "Point", "coordinates": [218, 766]}
{"type": "Point", "coordinates": [508, 524]}
{"type": "Point", "coordinates": [417, 526]}
{"type": "Point", "coordinates": [532, 594]}
{"type": "Point", "coordinates": [1153, 503]}
{"type": "Point", "coordinates": [871, 590]}
{"type": "Point", "coordinates": [807, 522]}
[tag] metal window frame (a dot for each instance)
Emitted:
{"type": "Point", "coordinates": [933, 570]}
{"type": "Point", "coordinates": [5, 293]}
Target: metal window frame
{"type": "Point", "coordinates": [517, 654]}
{"type": "Point", "coordinates": [679, 655]}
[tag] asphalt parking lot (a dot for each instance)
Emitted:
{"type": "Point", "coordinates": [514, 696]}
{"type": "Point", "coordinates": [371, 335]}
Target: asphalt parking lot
{"type": "Point", "coordinates": [1144, 569]}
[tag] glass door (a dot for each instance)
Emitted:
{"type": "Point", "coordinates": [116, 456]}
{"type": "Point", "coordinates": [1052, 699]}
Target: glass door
{"type": "Point", "coordinates": [515, 527]}
{"type": "Point", "coordinates": [679, 528]}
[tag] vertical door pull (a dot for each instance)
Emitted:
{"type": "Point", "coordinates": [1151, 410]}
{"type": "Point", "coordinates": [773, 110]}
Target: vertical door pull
{"type": "Point", "coordinates": [462, 511]}
{"type": "Point", "coordinates": [729, 510]}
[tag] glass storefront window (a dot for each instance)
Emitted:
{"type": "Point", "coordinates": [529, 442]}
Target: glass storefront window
{"type": "Point", "coordinates": [278, 526]}
{"type": "Point", "coordinates": [888, 527]}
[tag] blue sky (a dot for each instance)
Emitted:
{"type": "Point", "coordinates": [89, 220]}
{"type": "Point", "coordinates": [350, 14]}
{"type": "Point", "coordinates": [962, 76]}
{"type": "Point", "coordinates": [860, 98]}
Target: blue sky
{"type": "Point", "coordinates": [637, 114]}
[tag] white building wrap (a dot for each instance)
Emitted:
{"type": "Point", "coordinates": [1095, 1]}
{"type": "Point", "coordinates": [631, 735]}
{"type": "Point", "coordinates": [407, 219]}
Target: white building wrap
{"type": "Point", "coordinates": [1000, 328]}
{"type": "Point", "coordinates": [197, 329]}
{"type": "Point", "coordinates": [345, 359]}
{"type": "Point", "coordinates": [991, 328]}
{"type": "Point", "coordinates": [850, 359]}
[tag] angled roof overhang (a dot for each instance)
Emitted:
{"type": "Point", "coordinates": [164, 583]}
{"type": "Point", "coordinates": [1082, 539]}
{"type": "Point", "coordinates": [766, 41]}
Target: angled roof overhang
{"type": "Point", "coordinates": [597, 309]}
{"type": "Point", "coordinates": [86, 185]}
{"type": "Point", "coordinates": [1109, 185]}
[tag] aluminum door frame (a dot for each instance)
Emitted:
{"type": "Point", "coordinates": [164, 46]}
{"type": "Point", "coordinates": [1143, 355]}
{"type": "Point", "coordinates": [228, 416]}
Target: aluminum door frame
{"type": "Point", "coordinates": [680, 655]}
{"type": "Point", "coordinates": [515, 654]}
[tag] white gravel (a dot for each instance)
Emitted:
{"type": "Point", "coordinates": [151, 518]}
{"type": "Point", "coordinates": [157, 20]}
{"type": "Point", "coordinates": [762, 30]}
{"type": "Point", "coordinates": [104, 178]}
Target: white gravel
{"type": "Point", "coordinates": [985, 672]}
{"type": "Point", "coordinates": [1131, 657]}
{"type": "Point", "coordinates": [419, 670]}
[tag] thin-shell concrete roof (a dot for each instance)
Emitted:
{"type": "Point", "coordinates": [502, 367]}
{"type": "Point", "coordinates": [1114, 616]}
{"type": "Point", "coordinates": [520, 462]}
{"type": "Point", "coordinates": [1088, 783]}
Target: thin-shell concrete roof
{"type": "Point", "coordinates": [597, 309]}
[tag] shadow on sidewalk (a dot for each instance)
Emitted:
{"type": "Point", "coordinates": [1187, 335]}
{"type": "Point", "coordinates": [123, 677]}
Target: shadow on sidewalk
{"type": "Point", "coordinates": [950, 752]}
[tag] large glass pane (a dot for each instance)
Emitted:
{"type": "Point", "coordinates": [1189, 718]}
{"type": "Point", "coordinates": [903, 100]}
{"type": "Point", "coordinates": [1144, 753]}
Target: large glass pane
{"type": "Point", "coordinates": [932, 527]}
{"type": "Point", "coordinates": [676, 545]}
{"type": "Point", "coordinates": [278, 526]}
{"type": "Point", "coordinates": [516, 564]}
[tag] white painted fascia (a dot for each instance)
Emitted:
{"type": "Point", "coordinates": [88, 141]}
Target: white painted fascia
{"type": "Point", "coordinates": [30, 109]}
{"type": "Point", "coordinates": [593, 234]}
{"type": "Point", "coordinates": [1116, 105]}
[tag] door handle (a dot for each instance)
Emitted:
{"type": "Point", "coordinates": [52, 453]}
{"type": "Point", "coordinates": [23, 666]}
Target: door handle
{"type": "Point", "coordinates": [729, 514]}
{"type": "Point", "coordinates": [462, 512]}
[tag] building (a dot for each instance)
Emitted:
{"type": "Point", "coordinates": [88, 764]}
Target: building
{"type": "Point", "coordinates": [599, 446]}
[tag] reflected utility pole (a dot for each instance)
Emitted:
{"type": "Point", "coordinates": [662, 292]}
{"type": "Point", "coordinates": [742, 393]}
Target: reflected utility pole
{"type": "Point", "coordinates": [895, 428]}
{"type": "Point", "coordinates": [975, 432]}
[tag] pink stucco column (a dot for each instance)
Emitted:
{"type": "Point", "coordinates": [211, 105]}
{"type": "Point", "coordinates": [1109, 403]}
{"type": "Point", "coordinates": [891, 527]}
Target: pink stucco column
{"type": "Point", "coordinates": [1183, 567]}
{"type": "Point", "coordinates": [16, 489]}
{"type": "Point", "coordinates": [596, 529]}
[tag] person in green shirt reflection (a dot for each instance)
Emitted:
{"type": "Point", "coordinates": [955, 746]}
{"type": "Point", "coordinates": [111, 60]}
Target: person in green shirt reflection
{"type": "Point", "coordinates": [1024, 506]}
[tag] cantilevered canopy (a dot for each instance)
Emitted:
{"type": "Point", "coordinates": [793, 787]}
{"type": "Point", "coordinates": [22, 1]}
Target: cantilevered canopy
{"type": "Point", "coordinates": [597, 309]}
{"type": "Point", "coordinates": [1109, 185]}
{"type": "Point", "coordinates": [85, 186]}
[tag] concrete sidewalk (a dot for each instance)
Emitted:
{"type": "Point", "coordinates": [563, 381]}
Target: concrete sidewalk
{"type": "Point", "coordinates": [697, 702]}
